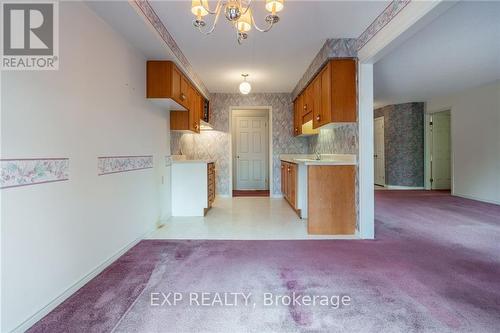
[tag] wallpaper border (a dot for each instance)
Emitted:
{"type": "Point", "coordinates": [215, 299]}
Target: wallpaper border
{"type": "Point", "coordinates": [33, 171]}
{"type": "Point", "coordinates": [393, 9]}
{"type": "Point", "coordinates": [156, 23]}
{"type": "Point", "coordinates": [115, 164]}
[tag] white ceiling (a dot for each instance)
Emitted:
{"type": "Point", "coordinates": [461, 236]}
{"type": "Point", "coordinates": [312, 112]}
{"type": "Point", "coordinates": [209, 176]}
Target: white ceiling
{"type": "Point", "coordinates": [275, 60]}
{"type": "Point", "coordinates": [458, 50]}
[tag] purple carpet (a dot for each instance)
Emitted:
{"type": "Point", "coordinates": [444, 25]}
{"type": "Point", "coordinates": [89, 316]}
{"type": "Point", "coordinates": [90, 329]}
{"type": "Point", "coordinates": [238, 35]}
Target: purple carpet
{"type": "Point", "coordinates": [435, 267]}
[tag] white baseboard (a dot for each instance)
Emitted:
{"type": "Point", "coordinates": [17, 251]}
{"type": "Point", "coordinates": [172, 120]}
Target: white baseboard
{"type": "Point", "coordinates": [24, 326]}
{"type": "Point", "coordinates": [395, 187]}
{"type": "Point", "coordinates": [276, 196]}
{"type": "Point", "coordinates": [224, 195]}
{"type": "Point", "coordinates": [471, 197]}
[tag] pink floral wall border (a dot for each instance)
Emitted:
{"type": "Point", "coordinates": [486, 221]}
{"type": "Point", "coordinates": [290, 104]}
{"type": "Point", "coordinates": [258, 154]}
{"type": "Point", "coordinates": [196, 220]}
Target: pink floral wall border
{"type": "Point", "coordinates": [149, 13]}
{"type": "Point", "coordinates": [32, 171]}
{"type": "Point", "coordinates": [113, 164]}
{"type": "Point", "coordinates": [393, 9]}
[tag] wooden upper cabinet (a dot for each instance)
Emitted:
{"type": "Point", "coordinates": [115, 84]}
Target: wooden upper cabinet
{"type": "Point", "coordinates": [338, 93]}
{"type": "Point", "coordinates": [331, 97]}
{"type": "Point", "coordinates": [344, 90]}
{"type": "Point", "coordinates": [165, 80]}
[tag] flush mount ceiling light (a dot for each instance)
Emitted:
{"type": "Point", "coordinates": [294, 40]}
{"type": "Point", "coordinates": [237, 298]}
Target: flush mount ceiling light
{"type": "Point", "coordinates": [245, 86]}
{"type": "Point", "coordinates": [237, 12]}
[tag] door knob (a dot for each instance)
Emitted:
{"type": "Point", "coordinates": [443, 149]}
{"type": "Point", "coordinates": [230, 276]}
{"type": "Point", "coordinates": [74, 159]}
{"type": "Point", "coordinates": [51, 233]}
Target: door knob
{"type": "Point", "coordinates": [318, 117]}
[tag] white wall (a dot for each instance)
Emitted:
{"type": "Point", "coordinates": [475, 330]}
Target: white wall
{"type": "Point", "coordinates": [475, 135]}
{"type": "Point", "coordinates": [55, 234]}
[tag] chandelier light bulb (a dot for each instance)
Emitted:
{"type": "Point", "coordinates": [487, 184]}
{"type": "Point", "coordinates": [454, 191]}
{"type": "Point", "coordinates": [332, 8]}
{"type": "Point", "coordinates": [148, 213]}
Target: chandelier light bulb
{"type": "Point", "coordinates": [198, 8]}
{"type": "Point", "coordinates": [274, 6]}
{"type": "Point", "coordinates": [245, 86]}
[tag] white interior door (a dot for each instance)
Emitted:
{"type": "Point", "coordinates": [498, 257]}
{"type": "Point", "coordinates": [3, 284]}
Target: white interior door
{"type": "Point", "coordinates": [379, 151]}
{"type": "Point", "coordinates": [441, 151]}
{"type": "Point", "coordinates": [251, 153]}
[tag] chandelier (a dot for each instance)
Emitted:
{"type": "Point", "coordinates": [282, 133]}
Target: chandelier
{"type": "Point", "coordinates": [238, 13]}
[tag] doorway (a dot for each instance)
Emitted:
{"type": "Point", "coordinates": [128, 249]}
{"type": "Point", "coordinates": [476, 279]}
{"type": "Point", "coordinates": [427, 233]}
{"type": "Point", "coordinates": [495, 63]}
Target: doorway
{"type": "Point", "coordinates": [250, 152]}
{"type": "Point", "coordinates": [379, 151]}
{"type": "Point", "coordinates": [438, 147]}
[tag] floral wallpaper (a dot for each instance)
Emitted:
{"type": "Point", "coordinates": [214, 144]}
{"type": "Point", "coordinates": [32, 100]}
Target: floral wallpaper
{"type": "Point", "coordinates": [114, 164]}
{"type": "Point", "coordinates": [22, 172]}
{"type": "Point", "coordinates": [333, 48]}
{"type": "Point", "coordinates": [404, 143]}
{"type": "Point", "coordinates": [215, 145]}
{"type": "Point", "coordinates": [339, 139]}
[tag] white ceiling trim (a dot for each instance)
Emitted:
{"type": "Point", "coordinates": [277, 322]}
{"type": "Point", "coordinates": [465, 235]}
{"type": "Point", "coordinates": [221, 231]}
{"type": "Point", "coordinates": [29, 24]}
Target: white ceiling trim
{"type": "Point", "coordinates": [150, 15]}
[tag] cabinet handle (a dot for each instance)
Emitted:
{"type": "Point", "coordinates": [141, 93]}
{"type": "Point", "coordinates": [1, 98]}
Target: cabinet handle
{"type": "Point", "coordinates": [318, 117]}
{"type": "Point", "coordinates": [183, 97]}
{"type": "Point", "coordinates": [305, 106]}
{"type": "Point", "coordinates": [296, 130]}
{"type": "Point", "coordinates": [195, 126]}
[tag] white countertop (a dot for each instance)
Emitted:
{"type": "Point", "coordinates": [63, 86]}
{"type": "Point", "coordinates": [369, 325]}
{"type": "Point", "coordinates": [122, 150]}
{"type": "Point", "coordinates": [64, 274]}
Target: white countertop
{"type": "Point", "coordinates": [326, 159]}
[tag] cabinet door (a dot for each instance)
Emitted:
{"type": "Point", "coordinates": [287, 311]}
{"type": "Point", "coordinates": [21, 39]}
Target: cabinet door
{"type": "Point", "coordinates": [176, 84]}
{"type": "Point", "coordinates": [308, 100]}
{"type": "Point", "coordinates": [192, 110]}
{"type": "Point", "coordinates": [287, 182]}
{"type": "Point", "coordinates": [316, 97]}
{"type": "Point", "coordinates": [323, 116]}
{"type": "Point", "coordinates": [283, 174]}
{"type": "Point", "coordinates": [297, 116]}
{"type": "Point", "coordinates": [292, 185]}
{"type": "Point", "coordinates": [185, 90]}
{"type": "Point", "coordinates": [197, 107]}
{"type": "Point", "coordinates": [343, 90]}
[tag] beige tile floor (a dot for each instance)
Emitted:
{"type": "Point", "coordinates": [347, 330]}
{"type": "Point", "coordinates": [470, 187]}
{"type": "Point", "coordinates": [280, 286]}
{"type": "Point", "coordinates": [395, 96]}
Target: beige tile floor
{"type": "Point", "coordinates": [241, 218]}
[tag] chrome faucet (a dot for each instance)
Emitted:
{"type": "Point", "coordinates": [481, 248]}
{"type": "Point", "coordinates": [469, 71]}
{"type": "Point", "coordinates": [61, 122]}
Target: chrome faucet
{"type": "Point", "coordinates": [318, 156]}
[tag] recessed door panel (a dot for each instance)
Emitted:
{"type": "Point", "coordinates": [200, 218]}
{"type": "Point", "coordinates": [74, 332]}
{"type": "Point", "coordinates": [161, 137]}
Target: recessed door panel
{"type": "Point", "coordinates": [243, 144]}
{"type": "Point", "coordinates": [257, 170]}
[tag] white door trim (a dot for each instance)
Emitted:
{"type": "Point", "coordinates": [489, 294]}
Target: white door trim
{"type": "Point", "coordinates": [381, 118]}
{"type": "Point", "coordinates": [270, 142]}
{"type": "Point", "coordinates": [427, 149]}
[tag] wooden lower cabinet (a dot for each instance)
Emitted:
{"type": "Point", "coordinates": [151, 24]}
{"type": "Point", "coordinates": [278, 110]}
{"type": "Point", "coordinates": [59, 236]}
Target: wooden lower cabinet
{"type": "Point", "coordinates": [211, 183]}
{"type": "Point", "coordinates": [331, 200]}
{"type": "Point", "coordinates": [289, 174]}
